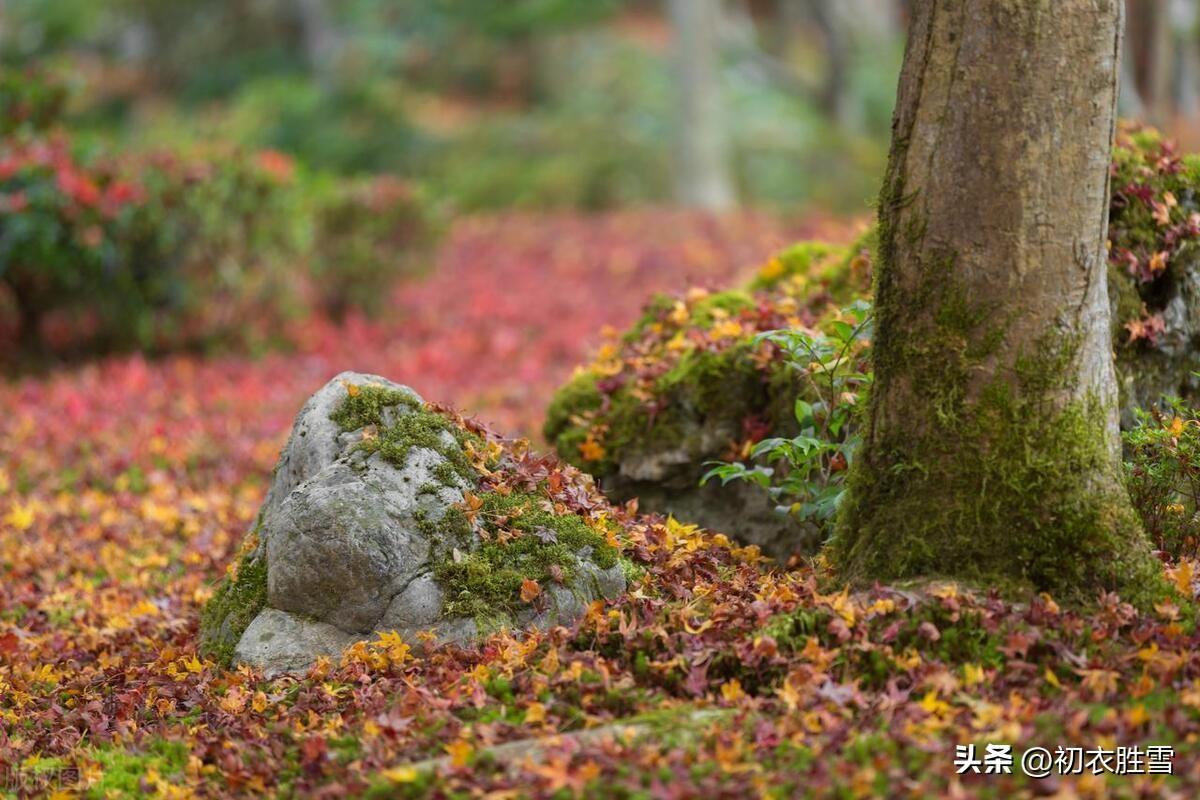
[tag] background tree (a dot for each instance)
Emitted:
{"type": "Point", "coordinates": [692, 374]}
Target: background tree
{"type": "Point", "coordinates": [703, 178]}
{"type": "Point", "coordinates": [992, 448]}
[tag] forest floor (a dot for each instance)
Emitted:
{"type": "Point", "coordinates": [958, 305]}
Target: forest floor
{"type": "Point", "coordinates": [126, 487]}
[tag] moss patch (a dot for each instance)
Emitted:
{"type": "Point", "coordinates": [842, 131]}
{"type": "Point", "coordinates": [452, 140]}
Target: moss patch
{"type": "Point", "coordinates": [523, 539]}
{"type": "Point", "coordinates": [414, 426]}
{"type": "Point", "coordinates": [236, 603]}
{"type": "Point", "coordinates": [364, 405]}
{"type": "Point", "coordinates": [122, 771]}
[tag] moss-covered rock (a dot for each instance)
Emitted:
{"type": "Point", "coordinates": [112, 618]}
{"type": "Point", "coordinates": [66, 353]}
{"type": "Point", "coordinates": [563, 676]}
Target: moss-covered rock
{"type": "Point", "coordinates": [1154, 269]}
{"type": "Point", "coordinates": [689, 383]}
{"type": "Point", "coordinates": [386, 513]}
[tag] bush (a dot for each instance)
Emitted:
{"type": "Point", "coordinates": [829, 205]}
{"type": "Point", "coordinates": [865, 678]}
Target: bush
{"type": "Point", "coordinates": [369, 232]}
{"type": "Point", "coordinates": [152, 252]}
{"type": "Point", "coordinates": [31, 100]}
{"type": "Point", "coordinates": [1163, 475]}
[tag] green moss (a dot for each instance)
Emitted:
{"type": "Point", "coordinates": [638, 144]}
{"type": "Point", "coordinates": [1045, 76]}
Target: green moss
{"type": "Point", "coordinates": [728, 303]}
{"type": "Point", "coordinates": [366, 406]}
{"type": "Point", "coordinates": [564, 425]}
{"type": "Point", "coordinates": [486, 582]}
{"type": "Point", "coordinates": [122, 771]}
{"type": "Point", "coordinates": [703, 388]}
{"type": "Point", "coordinates": [234, 606]}
{"type": "Point", "coordinates": [799, 259]}
{"type": "Point", "coordinates": [1127, 300]}
{"type": "Point", "coordinates": [989, 488]}
{"type": "Point", "coordinates": [414, 426]}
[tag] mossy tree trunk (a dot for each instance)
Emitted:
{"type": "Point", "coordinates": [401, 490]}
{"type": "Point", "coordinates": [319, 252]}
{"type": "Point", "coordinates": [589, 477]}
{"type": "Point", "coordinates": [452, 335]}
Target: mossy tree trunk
{"type": "Point", "coordinates": [992, 450]}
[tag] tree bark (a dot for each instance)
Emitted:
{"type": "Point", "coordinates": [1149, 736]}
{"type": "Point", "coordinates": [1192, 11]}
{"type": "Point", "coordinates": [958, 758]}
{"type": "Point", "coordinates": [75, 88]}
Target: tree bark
{"type": "Point", "coordinates": [703, 175]}
{"type": "Point", "coordinates": [991, 450]}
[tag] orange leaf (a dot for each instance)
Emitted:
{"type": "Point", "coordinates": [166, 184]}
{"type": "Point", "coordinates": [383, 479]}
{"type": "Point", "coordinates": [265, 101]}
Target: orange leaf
{"type": "Point", "coordinates": [1183, 578]}
{"type": "Point", "coordinates": [529, 590]}
{"type": "Point", "coordinates": [460, 752]}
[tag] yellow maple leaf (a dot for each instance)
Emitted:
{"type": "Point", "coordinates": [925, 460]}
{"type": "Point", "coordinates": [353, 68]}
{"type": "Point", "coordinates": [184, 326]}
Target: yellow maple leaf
{"type": "Point", "coordinates": [731, 691]}
{"type": "Point", "coordinates": [549, 664]}
{"type": "Point", "coordinates": [1184, 574]}
{"type": "Point", "coordinates": [536, 712]}
{"type": "Point", "coordinates": [460, 751]}
{"type": "Point", "coordinates": [972, 674]}
{"type": "Point", "coordinates": [771, 270]}
{"type": "Point", "coordinates": [728, 329]}
{"type": "Point", "coordinates": [398, 651]}
{"type": "Point", "coordinates": [789, 695]}
{"type": "Point", "coordinates": [934, 705]}
{"type": "Point", "coordinates": [1100, 682]}
{"type": "Point", "coordinates": [21, 517]}
{"type": "Point", "coordinates": [401, 774]}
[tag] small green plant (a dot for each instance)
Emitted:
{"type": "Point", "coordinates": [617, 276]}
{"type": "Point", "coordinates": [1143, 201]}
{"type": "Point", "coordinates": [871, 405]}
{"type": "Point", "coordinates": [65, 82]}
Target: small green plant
{"type": "Point", "coordinates": [1163, 475]}
{"type": "Point", "coordinates": [805, 474]}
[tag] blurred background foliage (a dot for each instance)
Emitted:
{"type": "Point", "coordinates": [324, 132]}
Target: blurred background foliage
{"type": "Point", "coordinates": [531, 103]}
{"type": "Point", "coordinates": [170, 169]}
{"type": "Point", "coordinates": [201, 173]}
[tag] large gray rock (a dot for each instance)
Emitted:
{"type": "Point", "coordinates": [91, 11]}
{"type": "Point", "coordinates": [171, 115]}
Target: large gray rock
{"type": "Point", "coordinates": [350, 537]}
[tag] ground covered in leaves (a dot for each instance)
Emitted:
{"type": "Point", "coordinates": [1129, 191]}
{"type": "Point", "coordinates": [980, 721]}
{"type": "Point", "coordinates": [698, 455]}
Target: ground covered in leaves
{"type": "Point", "coordinates": [125, 488]}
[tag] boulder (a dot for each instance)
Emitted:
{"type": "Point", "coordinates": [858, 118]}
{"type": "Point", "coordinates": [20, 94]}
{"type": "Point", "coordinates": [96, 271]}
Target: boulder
{"type": "Point", "coordinates": [384, 514]}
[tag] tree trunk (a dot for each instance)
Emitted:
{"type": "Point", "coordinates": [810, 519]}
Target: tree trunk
{"type": "Point", "coordinates": [1185, 58]}
{"type": "Point", "coordinates": [834, 98]}
{"type": "Point", "coordinates": [991, 450]}
{"type": "Point", "coordinates": [703, 179]}
{"type": "Point", "coordinates": [322, 41]}
{"type": "Point", "coordinates": [1129, 96]}
{"type": "Point", "coordinates": [1150, 38]}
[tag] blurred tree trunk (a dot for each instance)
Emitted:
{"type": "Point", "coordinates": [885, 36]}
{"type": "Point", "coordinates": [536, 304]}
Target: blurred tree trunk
{"type": "Point", "coordinates": [991, 451]}
{"type": "Point", "coordinates": [835, 100]}
{"type": "Point", "coordinates": [322, 40]}
{"type": "Point", "coordinates": [1129, 96]}
{"type": "Point", "coordinates": [703, 176]}
{"type": "Point", "coordinates": [1149, 35]}
{"type": "Point", "coordinates": [1185, 59]}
